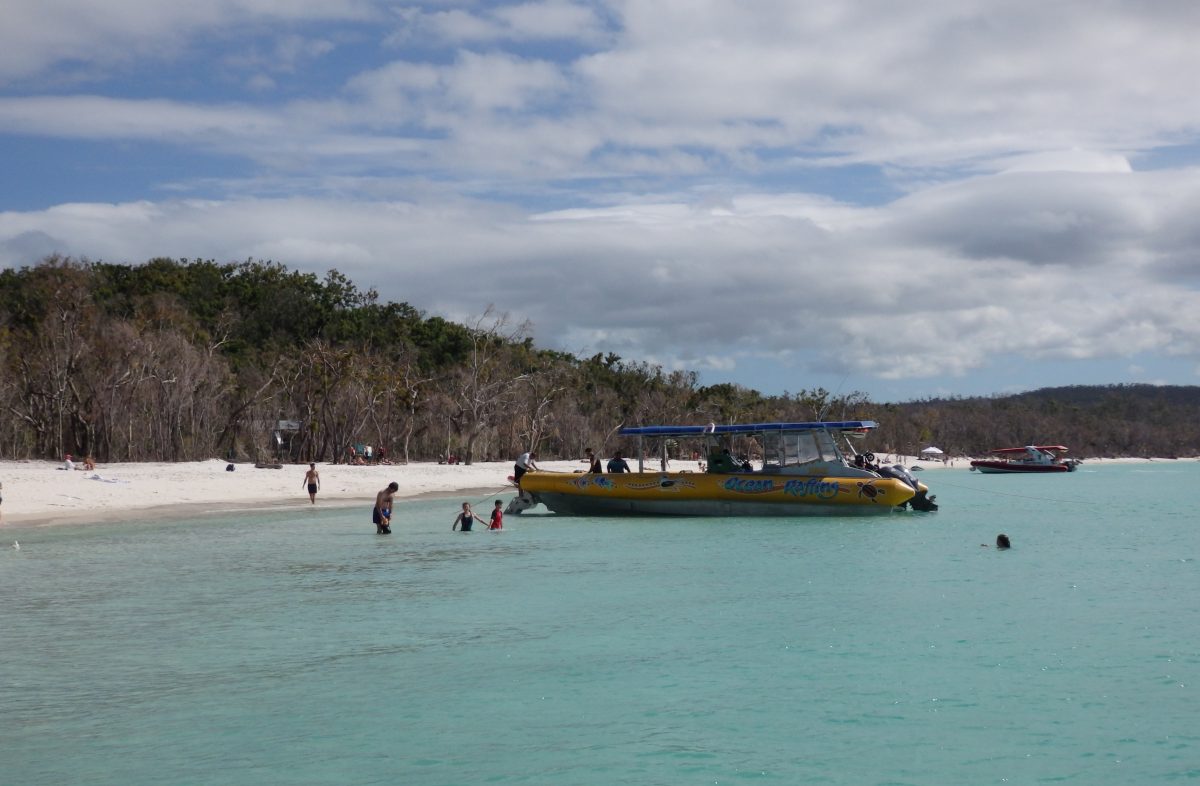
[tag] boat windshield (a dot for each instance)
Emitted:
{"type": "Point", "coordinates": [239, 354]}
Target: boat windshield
{"type": "Point", "coordinates": [777, 445]}
{"type": "Point", "coordinates": [791, 448]}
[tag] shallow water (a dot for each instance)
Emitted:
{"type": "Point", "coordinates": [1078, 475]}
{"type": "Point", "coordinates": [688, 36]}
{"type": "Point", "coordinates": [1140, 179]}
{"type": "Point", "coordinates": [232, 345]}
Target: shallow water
{"type": "Point", "coordinates": [302, 648]}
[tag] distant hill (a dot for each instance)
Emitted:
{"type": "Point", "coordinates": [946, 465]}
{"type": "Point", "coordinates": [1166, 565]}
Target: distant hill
{"type": "Point", "coordinates": [1151, 421]}
{"type": "Point", "coordinates": [189, 359]}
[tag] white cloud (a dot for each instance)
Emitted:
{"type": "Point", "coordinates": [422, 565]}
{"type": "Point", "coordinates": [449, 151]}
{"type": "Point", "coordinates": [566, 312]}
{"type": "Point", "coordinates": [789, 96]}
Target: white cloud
{"type": "Point", "coordinates": [632, 156]}
{"type": "Point", "coordinates": [877, 292]}
{"type": "Point", "coordinates": [39, 34]}
{"type": "Point", "coordinates": [517, 22]}
{"type": "Point", "coordinates": [667, 89]}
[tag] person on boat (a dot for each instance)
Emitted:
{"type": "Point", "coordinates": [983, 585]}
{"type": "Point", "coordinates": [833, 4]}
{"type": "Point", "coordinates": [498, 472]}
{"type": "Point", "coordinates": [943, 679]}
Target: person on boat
{"type": "Point", "coordinates": [525, 462]}
{"type": "Point", "coordinates": [594, 466]}
{"type": "Point", "coordinates": [464, 520]}
{"type": "Point", "coordinates": [497, 521]}
{"type": "Point", "coordinates": [381, 515]}
{"type": "Point", "coordinates": [722, 461]}
{"type": "Point", "coordinates": [313, 480]}
{"type": "Point", "coordinates": [618, 464]}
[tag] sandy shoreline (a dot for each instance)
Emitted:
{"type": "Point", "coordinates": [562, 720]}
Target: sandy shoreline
{"type": "Point", "coordinates": [37, 493]}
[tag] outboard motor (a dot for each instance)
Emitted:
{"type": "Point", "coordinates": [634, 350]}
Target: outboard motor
{"type": "Point", "coordinates": [522, 502]}
{"type": "Point", "coordinates": [921, 501]}
{"type": "Point", "coordinates": [898, 472]}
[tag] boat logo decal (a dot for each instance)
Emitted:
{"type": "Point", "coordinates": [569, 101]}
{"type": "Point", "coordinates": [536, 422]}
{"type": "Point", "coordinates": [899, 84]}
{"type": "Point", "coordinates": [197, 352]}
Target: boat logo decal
{"type": "Point", "coordinates": [750, 485]}
{"type": "Point", "coordinates": [599, 481]}
{"type": "Point", "coordinates": [870, 491]}
{"type": "Point", "coordinates": [812, 487]}
{"type": "Point", "coordinates": [664, 483]}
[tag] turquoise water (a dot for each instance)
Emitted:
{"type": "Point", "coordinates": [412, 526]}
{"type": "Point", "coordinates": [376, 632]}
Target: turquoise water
{"type": "Point", "coordinates": [301, 648]}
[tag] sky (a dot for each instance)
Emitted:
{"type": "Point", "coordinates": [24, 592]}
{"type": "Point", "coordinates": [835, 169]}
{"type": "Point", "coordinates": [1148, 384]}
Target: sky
{"type": "Point", "coordinates": [909, 200]}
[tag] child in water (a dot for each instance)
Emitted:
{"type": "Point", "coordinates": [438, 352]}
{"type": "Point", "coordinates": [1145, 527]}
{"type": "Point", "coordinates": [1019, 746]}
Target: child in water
{"type": "Point", "coordinates": [497, 517]}
{"type": "Point", "coordinates": [464, 520]}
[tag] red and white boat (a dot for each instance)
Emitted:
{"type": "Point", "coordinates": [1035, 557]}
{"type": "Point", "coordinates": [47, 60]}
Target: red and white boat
{"type": "Point", "coordinates": [1031, 458]}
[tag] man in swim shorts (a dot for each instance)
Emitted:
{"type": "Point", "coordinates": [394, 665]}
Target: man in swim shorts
{"type": "Point", "coordinates": [313, 479]}
{"type": "Point", "coordinates": [381, 515]}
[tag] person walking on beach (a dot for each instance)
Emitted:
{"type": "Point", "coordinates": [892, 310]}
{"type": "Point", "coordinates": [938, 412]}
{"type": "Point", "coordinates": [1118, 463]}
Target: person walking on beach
{"type": "Point", "coordinates": [497, 521]}
{"type": "Point", "coordinates": [525, 462]}
{"type": "Point", "coordinates": [464, 520]}
{"type": "Point", "coordinates": [381, 515]}
{"type": "Point", "coordinates": [313, 479]}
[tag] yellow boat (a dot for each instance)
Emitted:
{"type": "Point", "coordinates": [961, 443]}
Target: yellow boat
{"type": "Point", "coordinates": [802, 472]}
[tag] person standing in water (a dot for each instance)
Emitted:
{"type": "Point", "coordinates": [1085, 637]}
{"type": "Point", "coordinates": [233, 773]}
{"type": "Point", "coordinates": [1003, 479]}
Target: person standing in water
{"type": "Point", "coordinates": [497, 521]}
{"type": "Point", "coordinates": [313, 479]}
{"type": "Point", "coordinates": [381, 515]}
{"type": "Point", "coordinates": [464, 520]}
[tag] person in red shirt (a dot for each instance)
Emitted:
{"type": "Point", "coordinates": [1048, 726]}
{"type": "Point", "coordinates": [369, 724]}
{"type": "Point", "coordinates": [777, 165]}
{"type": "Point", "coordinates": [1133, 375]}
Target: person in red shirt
{"type": "Point", "coordinates": [497, 521]}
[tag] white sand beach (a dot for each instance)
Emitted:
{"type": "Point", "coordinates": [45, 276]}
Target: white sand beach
{"type": "Point", "coordinates": [43, 493]}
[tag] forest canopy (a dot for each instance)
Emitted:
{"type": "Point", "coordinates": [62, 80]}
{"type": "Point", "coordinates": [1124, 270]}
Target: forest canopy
{"type": "Point", "coordinates": [184, 359]}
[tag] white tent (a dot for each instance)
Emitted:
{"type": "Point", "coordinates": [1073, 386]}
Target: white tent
{"type": "Point", "coordinates": [932, 451]}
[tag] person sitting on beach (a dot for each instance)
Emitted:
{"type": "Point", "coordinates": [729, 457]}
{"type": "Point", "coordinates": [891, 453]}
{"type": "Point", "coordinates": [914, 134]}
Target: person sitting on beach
{"type": "Point", "coordinates": [593, 462]}
{"type": "Point", "coordinates": [68, 462]}
{"type": "Point", "coordinates": [463, 521]}
{"type": "Point", "coordinates": [381, 514]}
{"type": "Point", "coordinates": [89, 463]}
{"type": "Point", "coordinates": [618, 464]}
{"type": "Point", "coordinates": [497, 521]}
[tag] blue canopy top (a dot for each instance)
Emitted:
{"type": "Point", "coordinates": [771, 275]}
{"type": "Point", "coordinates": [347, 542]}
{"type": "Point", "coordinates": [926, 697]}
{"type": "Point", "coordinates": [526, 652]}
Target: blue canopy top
{"type": "Point", "coordinates": [747, 428]}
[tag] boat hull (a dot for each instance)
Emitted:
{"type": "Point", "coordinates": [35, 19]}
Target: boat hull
{"type": "Point", "coordinates": [693, 494]}
{"type": "Point", "coordinates": [1013, 467]}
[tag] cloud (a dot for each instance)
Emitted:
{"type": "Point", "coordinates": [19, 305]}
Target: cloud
{"type": "Point", "coordinates": [38, 35]}
{"type": "Point", "coordinates": [667, 89]}
{"type": "Point", "coordinates": [853, 188]}
{"type": "Point", "coordinates": [516, 22]}
{"type": "Point", "coordinates": [878, 292]}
